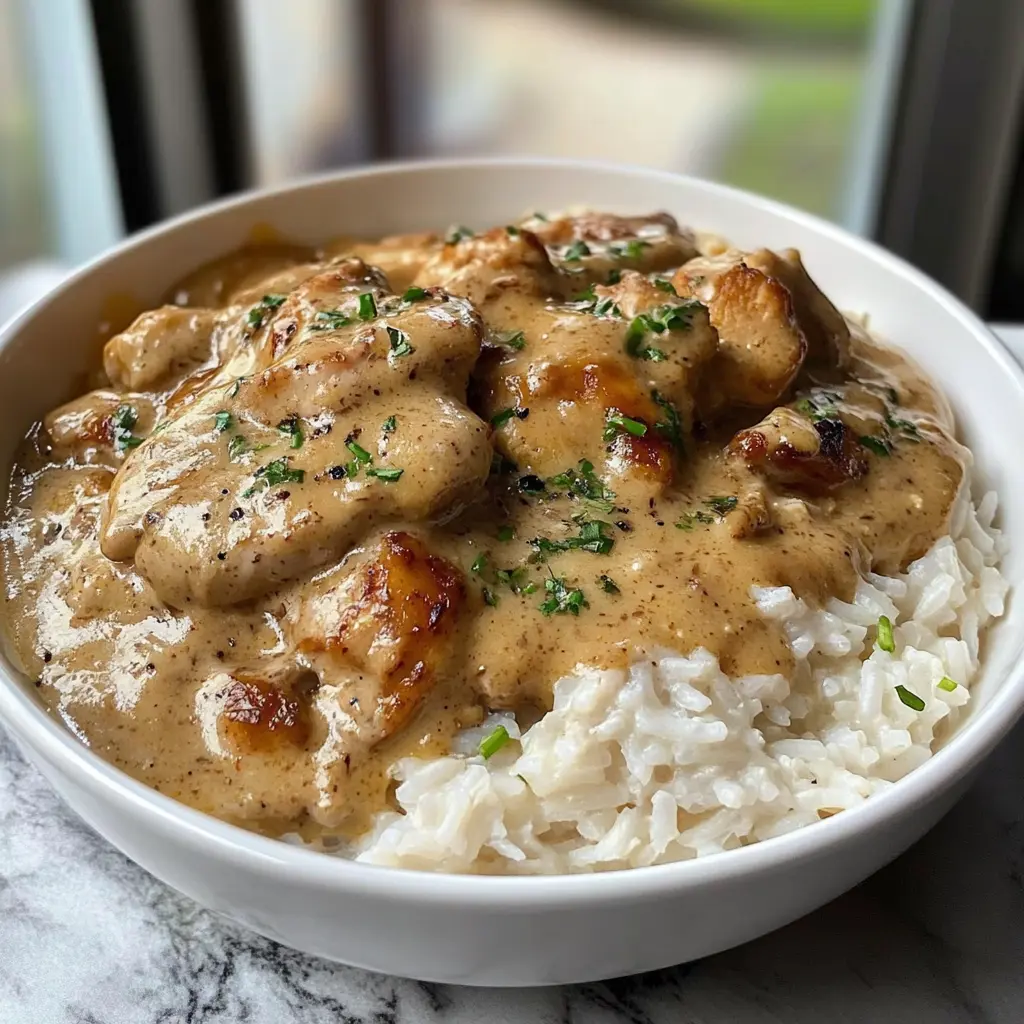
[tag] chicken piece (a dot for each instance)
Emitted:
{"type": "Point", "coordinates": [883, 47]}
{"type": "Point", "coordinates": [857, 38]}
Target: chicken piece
{"type": "Point", "coordinates": [101, 426]}
{"type": "Point", "coordinates": [161, 347]}
{"type": "Point", "coordinates": [379, 637]}
{"type": "Point", "coordinates": [789, 449]}
{"type": "Point", "coordinates": [482, 267]}
{"type": "Point", "coordinates": [594, 246]}
{"type": "Point", "coordinates": [281, 282]}
{"type": "Point", "coordinates": [257, 482]}
{"type": "Point", "coordinates": [769, 316]}
{"type": "Point", "coordinates": [400, 257]}
{"type": "Point", "coordinates": [213, 285]}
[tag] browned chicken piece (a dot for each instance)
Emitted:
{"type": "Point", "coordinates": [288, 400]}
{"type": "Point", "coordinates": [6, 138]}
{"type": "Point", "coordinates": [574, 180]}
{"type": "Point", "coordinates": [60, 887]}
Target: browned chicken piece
{"type": "Point", "coordinates": [400, 257]}
{"type": "Point", "coordinates": [215, 284]}
{"type": "Point", "coordinates": [592, 246]}
{"type": "Point", "coordinates": [102, 426]}
{"type": "Point", "coordinates": [255, 483]}
{"type": "Point", "coordinates": [769, 316]}
{"type": "Point", "coordinates": [790, 450]}
{"type": "Point", "coordinates": [482, 267]}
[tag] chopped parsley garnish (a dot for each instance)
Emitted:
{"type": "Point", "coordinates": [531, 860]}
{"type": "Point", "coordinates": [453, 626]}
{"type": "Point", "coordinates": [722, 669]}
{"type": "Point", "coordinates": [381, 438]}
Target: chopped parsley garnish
{"type": "Point", "coordinates": [479, 564]}
{"type": "Point", "coordinates": [361, 454]}
{"type": "Point", "coordinates": [720, 507]}
{"type": "Point", "coordinates": [910, 699]}
{"type": "Point", "coordinates": [272, 474]}
{"type": "Point", "coordinates": [671, 426]}
{"type": "Point", "coordinates": [878, 445]}
{"type": "Point", "coordinates": [905, 427]}
{"type": "Point", "coordinates": [575, 252]}
{"type": "Point", "coordinates": [561, 599]}
{"type": "Point", "coordinates": [592, 537]}
{"type": "Point", "coordinates": [490, 598]}
{"type": "Point", "coordinates": [266, 305]}
{"type": "Point", "coordinates": [399, 343]}
{"type": "Point", "coordinates": [512, 231]}
{"type": "Point", "coordinates": [499, 419]}
{"type": "Point", "coordinates": [456, 233]}
{"type": "Point", "coordinates": [367, 306]}
{"type": "Point", "coordinates": [608, 585]}
{"type": "Point", "coordinates": [631, 250]}
{"type": "Point", "coordinates": [819, 405]}
{"type": "Point", "coordinates": [665, 285]}
{"type": "Point", "coordinates": [290, 427]}
{"type": "Point", "coordinates": [616, 422]}
{"type": "Point", "coordinates": [389, 425]}
{"type": "Point", "coordinates": [385, 473]}
{"type": "Point", "coordinates": [491, 744]}
{"type": "Point", "coordinates": [947, 684]}
{"type": "Point", "coordinates": [121, 425]}
{"type": "Point", "coordinates": [330, 320]}
{"type": "Point", "coordinates": [237, 445]}
{"type": "Point", "coordinates": [510, 339]}
{"type": "Point", "coordinates": [588, 302]}
{"type": "Point", "coordinates": [516, 580]}
{"type": "Point", "coordinates": [414, 294]}
{"type": "Point", "coordinates": [585, 483]}
{"type": "Point", "coordinates": [222, 421]}
{"type": "Point", "coordinates": [658, 321]}
{"type": "Point", "coordinates": [506, 533]}
{"type": "Point", "coordinates": [885, 639]}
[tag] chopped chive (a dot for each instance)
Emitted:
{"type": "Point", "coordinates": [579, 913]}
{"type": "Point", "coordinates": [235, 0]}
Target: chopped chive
{"type": "Point", "coordinates": [506, 533]}
{"type": "Point", "coordinates": [414, 294]}
{"type": "Point", "coordinates": [663, 284]}
{"type": "Point", "coordinates": [947, 684]}
{"type": "Point", "coordinates": [222, 421]}
{"type": "Point", "coordinates": [876, 445]}
{"type": "Point", "coordinates": [885, 639]}
{"type": "Point", "coordinates": [272, 474]}
{"type": "Point", "coordinates": [361, 454]}
{"type": "Point", "coordinates": [386, 473]}
{"type": "Point", "coordinates": [512, 231]}
{"type": "Point", "coordinates": [499, 419]}
{"type": "Point", "coordinates": [630, 250]}
{"type": "Point", "coordinates": [367, 306]}
{"type": "Point", "coordinates": [388, 426]}
{"type": "Point", "coordinates": [330, 320]}
{"type": "Point", "coordinates": [575, 252]}
{"type": "Point", "coordinates": [491, 744]}
{"type": "Point", "coordinates": [672, 426]}
{"type": "Point", "coordinates": [910, 699]}
{"type": "Point", "coordinates": [616, 422]}
{"type": "Point", "coordinates": [290, 427]}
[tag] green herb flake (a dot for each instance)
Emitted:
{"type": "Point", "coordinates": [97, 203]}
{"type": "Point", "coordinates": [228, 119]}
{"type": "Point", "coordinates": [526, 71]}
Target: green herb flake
{"type": "Point", "coordinates": [361, 454]}
{"type": "Point", "coordinates": [631, 250]}
{"type": "Point", "coordinates": [562, 599]}
{"type": "Point", "coordinates": [499, 419]}
{"type": "Point", "coordinates": [367, 306]}
{"type": "Point", "coordinates": [237, 446]}
{"type": "Point", "coordinates": [272, 474]}
{"type": "Point", "coordinates": [266, 305]}
{"type": "Point", "coordinates": [415, 294]}
{"type": "Point", "coordinates": [386, 473]}
{"type": "Point", "coordinates": [330, 320]}
{"type": "Point", "coordinates": [616, 422]}
{"type": "Point", "coordinates": [389, 425]}
{"type": "Point", "coordinates": [517, 580]}
{"type": "Point", "coordinates": [491, 744]}
{"type": "Point", "coordinates": [947, 684]}
{"type": "Point", "coordinates": [122, 423]}
{"type": "Point", "coordinates": [290, 428]}
{"type": "Point", "coordinates": [575, 252]}
{"type": "Point", "coordinates": [877, 445]}
{"type": "Point", "coordinates": [506, 533]}
{"type": "Point", "coordinates": [608, 585]}
{"type": "Point", "coordinates": [721, 505]}
{"type": "Point", "coordinates": [512, 231]}
{"type": "Point", "coordinates": [584, 483]}
{"type": "Point", "coordinates": [672, 426]}
{"type": "Point", "coordinates": [490, 598]}
{"type": "Point", "coordinates": [910, 699]}
{"type": "Point", "coordinates": [456, 233]}
{"type": "Point", "coordinates": [222, 421]}
{"type": "Point", "coordinates": [399, 341]}
{"type": "Point", "coordinates": [479, 564]}
{"type": "Point", "coordinates": [514, 340]}
{"type": "Point", "coordinates": [885, 639]}
{"type": "Point", "coordinates": [665, 285]}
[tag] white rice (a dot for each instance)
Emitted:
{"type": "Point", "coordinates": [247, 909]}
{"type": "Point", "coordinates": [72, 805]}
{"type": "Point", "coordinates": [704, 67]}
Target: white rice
{"type": "Point", "coordinates": [673, 759]}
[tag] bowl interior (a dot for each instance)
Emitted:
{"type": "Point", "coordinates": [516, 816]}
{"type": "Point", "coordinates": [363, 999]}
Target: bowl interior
{"type": "Point", "coordinates": [45, 353]}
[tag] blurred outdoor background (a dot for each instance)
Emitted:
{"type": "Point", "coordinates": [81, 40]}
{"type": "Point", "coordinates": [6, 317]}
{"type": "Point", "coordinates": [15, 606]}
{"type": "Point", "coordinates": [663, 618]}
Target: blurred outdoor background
{"type": "Point", "coordinates": [897, 118]}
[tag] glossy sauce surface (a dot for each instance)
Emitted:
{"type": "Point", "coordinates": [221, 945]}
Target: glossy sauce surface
{"type": "Point", "coordinates": [324, 513]}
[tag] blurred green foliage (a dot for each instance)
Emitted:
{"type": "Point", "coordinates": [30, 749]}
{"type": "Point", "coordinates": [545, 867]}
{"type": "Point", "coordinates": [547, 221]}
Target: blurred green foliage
{"type": "Point", "coordinates": [840, 17]}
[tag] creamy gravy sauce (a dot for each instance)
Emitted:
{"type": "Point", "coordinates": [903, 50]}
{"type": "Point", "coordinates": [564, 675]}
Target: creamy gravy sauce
{"type": "Point", "coordinates": [281, 705]}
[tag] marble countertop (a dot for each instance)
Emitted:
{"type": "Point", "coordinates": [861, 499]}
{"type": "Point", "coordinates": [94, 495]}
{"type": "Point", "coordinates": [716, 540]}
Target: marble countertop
{"type": "Point", "coordinates": [86, 937]}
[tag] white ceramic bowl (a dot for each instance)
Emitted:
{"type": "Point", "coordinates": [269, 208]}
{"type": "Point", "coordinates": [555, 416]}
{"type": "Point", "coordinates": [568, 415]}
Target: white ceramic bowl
{"type": "Point", "coordinates": [524, 931]}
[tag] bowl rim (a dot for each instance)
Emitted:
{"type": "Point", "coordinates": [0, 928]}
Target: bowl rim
{"type": "Point", "coordinates": [32, 725]}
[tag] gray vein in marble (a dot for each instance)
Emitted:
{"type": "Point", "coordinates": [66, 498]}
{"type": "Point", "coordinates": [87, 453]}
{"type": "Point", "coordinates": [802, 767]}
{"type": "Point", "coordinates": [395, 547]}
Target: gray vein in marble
{"type": "Point", "coordinates": [86, 937]}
